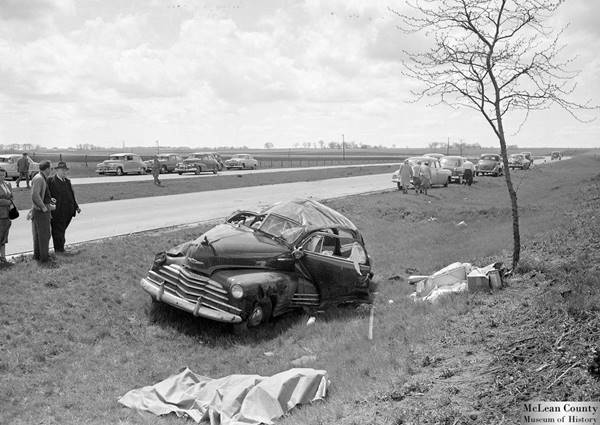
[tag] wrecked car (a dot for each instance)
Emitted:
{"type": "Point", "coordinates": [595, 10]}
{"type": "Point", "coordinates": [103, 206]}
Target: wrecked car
{"type": "Point", "coordinates": [258, 265]}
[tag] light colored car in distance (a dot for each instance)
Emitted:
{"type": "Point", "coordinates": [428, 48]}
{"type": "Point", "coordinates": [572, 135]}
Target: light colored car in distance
{"type": "Point", "coordinates": [489, 163]}
{"type": "Point", "coordinates": [121, 164]}
{"type": "Point", "coordinates": [9, 163]}
{"type": "Point", "coordinates": [437, 156]}
{"type": "Point", "coordinates": [517, 160]}
{"type": "Point", "coordinates": [242, 161]}
{"type": "Point", "coordinates": [439, 175]}
{"type": "Point", "coordinates": [454, 164]}
{"type": "Point", "coordinates": [168, 162]}
{"type": "Point", "coordinates": [529, 157]}
{"type": "Point", "coordinates": [198, 162]}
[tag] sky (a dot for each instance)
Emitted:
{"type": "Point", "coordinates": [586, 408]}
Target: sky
{"type": "Point", "coordinates": [245, 72]}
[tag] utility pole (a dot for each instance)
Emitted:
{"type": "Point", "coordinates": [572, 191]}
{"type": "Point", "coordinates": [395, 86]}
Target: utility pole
{"type": "Point", "coordinates": [157, 147]}
{"type": "Point", "coordinates": [448, 147]}
{"type": "Point", "coordinates": [343, 148]}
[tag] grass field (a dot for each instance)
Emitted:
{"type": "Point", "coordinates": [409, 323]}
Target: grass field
{"type": "Point", "coordinates": [127, 190]}
{"type": "Point", "coordinates": [77, 337]}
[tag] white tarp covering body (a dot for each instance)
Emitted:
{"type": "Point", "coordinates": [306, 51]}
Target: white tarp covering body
{"type": "Point", "coordinates": [231, 400]}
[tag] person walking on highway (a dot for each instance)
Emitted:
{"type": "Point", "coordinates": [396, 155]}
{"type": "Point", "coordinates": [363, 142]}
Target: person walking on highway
{"type": "Point", "coordinates": [6, 203]}
{"type": "Point", "coordinates": [41, 213]}
{"type": "Point", "coordinates": [156, 170]}
{"type": "Point", "coordinates": [66, 206]}
{"type": "Point", "coordinates": [425, 174]}
{"type": "Point", "coordinates": [468, 175]}
{"type": "Point", "coordinates": [405, 173]}
{"type": "Point", "coordinates": [416, 172]}
{"type": "Point", "coordinates": [23, 169]}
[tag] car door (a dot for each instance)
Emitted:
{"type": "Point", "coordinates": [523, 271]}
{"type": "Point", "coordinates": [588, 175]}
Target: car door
{"type": "Point", "coordinates": [340, 272]}
{"type": "Point", "coordinates": [435, 167]}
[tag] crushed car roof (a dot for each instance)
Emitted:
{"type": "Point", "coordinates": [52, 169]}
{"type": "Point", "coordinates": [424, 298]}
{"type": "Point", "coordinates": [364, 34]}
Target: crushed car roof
{"type": "Point", "coordinates": [310, 213]}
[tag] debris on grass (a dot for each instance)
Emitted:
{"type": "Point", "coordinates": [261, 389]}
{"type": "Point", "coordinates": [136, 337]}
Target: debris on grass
{"type": "Point", "coordinates": [233, 399]}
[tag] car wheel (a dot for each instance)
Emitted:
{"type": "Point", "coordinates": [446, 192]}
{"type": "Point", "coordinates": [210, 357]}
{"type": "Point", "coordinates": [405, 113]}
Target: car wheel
{"type": "Point", "coordinates": [253, 167]}
{"type": "Point", "coordinates": [261, 312]}
{"type": "Point", "coordinates": [228, 168]}
{"type": "Point", "coordinates": [243, 166]}
{"type": "Point", "coordinates": [180, 173]}
{"type": "Point", "coordinates": [198, 169]}
{"type": "Point", "coordinates": [215, 171]}
{"type": "Point", "coordinates": [120, 171]}
{"type": "Point", "coordinates": [446, 182]}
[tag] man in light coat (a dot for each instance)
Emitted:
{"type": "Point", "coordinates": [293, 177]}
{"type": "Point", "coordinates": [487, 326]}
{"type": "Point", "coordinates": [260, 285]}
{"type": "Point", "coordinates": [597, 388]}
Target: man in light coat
{"type": "Point", "coordinates": [405, 173]}
{"type": "Point", "coordinates": [41, 213]}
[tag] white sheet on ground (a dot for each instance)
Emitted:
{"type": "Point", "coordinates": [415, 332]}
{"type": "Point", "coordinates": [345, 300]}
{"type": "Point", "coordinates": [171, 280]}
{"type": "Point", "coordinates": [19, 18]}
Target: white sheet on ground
{"type": "Point", "coordinates": [231, 400]}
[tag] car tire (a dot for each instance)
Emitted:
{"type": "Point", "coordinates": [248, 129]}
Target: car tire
{"type": "Point", "coordinates": [215, 171]}
{"type": "Point", "coordinates": [446, 183]}
{"type": "Point", "coordinates": [180, 173]}
{"type": "Point", "coordinates": [120, 171]}
{"type": "Point", "coordinates": [198, 169]}
{"type": "Point", "coordinates": [243, 166]}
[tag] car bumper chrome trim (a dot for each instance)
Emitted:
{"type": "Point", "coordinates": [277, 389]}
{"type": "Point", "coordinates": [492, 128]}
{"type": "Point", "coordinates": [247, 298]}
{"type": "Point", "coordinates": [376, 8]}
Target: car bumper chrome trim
{"type": "Point", "coordinates": [156, 290]}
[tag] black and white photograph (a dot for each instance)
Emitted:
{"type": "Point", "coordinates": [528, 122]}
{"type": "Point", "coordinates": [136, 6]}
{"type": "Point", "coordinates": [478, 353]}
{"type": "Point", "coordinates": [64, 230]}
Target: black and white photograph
{"type": "Point", "coordinates": [299, 212]}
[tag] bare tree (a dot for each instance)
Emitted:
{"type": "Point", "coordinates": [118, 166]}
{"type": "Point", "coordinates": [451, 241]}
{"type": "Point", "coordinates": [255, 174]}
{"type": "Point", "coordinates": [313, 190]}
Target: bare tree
{"type": "Point", "coordinates": [493, 56]}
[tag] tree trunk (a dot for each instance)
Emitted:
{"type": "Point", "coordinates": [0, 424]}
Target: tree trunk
{"type": "Point", "coordinates": [513, 199]}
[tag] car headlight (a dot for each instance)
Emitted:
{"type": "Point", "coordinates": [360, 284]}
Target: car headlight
{"type": "Point", "coordinates": [159, 260]}
{"type": "Point", "coordinates": [237, 291]}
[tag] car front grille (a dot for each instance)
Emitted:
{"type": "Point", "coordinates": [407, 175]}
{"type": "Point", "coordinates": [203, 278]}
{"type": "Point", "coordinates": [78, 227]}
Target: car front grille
{"type": "Point", "coordinates": [193, 287]}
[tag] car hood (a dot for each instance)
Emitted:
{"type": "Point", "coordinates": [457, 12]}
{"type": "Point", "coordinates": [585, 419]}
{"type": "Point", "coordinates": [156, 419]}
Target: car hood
{"type": "Point", "coordinates": [231, 246]}
{"type": "Point", "coordinates": [110, 161]}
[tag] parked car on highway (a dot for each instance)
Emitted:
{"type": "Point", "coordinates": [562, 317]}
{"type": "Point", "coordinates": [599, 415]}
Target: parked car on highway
{"type": "Point", "coordinates": [439, 175]}
{"type": "Point", "coordinates": [168, 162]}
{"type": "Point", "coordinates": [257, 265]}
{"type": "Point", "coordinates": [121, 164]}
{"type": "Point", "coordinates": [529, 157]}
{"type": "Point", "coordinates": [9, 163]}
{"type": "Point", "coordinates": [454, 164]}
{"type": "Point", "coordinates": [197, 163]}
{"type": "Point", "coordinates": [555, 155]}
{"type": "Point", "coordinates": [489, 163]}
{"type": "Point", "coordinates": [516, 160]}
{"type": "Point", "coordinates": [242, 161]}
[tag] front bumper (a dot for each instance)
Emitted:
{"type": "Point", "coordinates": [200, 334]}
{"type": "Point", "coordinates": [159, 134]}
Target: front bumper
{"type": "Point", "coordinates": [186, 169]}
{"type": "Point", "coordinates": [157, 291]}
{"type": "Point", "coordinates": [106, 170]}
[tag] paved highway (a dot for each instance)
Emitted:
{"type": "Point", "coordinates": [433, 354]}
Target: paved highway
{"type": "Point", "coordinates": [148, 177]}
{"type": "Point", "coordinates": [106, 219]}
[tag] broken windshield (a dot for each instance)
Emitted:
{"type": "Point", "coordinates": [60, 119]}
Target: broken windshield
{"type": "Point", "coordinates": [282, 227]}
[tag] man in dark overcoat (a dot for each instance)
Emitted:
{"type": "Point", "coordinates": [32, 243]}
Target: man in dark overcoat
{"type": "Point", "coordinates": [66, 205]}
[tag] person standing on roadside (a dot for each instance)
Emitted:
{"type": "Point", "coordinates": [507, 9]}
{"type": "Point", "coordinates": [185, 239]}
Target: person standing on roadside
{"type": "Point", "coordinates": [23, 169]}
{"type": "Point", "coordinates": [6, 197]}
{"type": "Point", "coordinates": [41, 213]}
{"type": "Point", "coordinates": [425, 174]}
{"type": "Point", "coordinates": [156, 170]}
{"type": "Point", "coordinates": [469, 168]}
{"type": "Point", "coordinates": [405, 173]}
{"type": "Point", "coordinates": [416, 171]}
{"type": "Point", "coordinates": [66, 205]}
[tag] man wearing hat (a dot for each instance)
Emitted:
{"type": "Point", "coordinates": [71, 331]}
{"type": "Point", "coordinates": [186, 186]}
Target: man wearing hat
{"type": "Point", "coordinates": [66, 205]}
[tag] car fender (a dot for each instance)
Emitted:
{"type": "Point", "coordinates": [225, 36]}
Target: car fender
{"type": "Point", "coordinates": [261, 285]}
